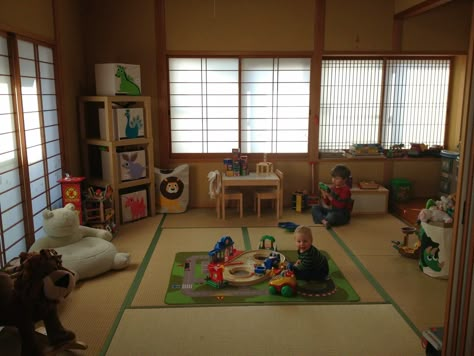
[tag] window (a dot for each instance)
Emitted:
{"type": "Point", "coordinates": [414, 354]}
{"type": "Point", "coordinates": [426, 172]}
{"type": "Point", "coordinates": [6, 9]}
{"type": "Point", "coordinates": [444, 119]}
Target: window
{"type": "Point", "coordinates": [385, 101]}
{"type": "Point", "coordinates": [30, 151]}
{"type": "Point", "coordinates": [260, 105]}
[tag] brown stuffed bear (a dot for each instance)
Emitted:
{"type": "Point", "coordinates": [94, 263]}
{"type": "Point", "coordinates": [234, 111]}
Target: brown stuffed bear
{"type": "Point", "coordinates": [29, 292]}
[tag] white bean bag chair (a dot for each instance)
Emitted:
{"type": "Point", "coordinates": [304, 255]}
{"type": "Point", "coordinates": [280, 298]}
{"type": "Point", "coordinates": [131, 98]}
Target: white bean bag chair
{"type": "Point", "coordinates": [85, 251]}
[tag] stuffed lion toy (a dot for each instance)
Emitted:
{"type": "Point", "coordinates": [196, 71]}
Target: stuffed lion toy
{"type": "Point", "coordinates": [31, 286]}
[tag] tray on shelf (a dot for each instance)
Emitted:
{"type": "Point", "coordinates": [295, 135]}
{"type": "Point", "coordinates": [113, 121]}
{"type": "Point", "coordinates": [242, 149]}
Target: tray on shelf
{"type": "Point", "coordinates": [368, 185]}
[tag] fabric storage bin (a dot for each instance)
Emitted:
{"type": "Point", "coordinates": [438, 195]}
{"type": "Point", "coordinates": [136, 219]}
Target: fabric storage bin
{"type": "Point", "coordinates": [400, 189]}
{"type": "Point", "coordinates": [134, 205]}
{"type": "Point", "coordinates": [435, 249]}
{"type": "Point", "coordinates": [127, 123]}
{"type": "Point", "coordinates": [132, 165]}
{"type": "Point", "coordinates": [172, 189]}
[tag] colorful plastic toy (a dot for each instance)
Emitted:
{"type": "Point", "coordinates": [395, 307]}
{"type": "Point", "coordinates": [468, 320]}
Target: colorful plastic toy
{"type": "Point", "coordinates": [267, 242]}
{"type": "Point", "coordinates": [403, 248]}
{"type": "Point", "coordinates": [283, 283]}
{"type": "Point", "coordinates": [324, 186]}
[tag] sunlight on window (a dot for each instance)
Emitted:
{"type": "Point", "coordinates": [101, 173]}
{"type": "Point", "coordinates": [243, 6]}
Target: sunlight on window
{"type": "Point", "coordinates": [275, 105]}
{"type": "Point", "coordinates": [413, 108]}
{"type": "Point", "coordinates": [203, 104]}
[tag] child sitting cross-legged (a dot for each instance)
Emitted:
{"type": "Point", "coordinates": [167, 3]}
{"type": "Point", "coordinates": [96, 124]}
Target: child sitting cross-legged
{"type": "Point", "coordinates": [337, 200]}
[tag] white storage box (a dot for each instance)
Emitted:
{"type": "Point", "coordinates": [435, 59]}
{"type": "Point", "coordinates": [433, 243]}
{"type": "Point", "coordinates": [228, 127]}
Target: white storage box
{"type": "Point", "coordinates": [370, 201]}
{"type": "Point", "coordinates": [127, 123]}
{"type": "Point", "coordinates": [435, 254]}
{"type": "Point", "coordinates": [134, 206]}
{"type": "Point", "coordinates": [117, 79]}
{"type": "Point", "coordinates": [132, 165]}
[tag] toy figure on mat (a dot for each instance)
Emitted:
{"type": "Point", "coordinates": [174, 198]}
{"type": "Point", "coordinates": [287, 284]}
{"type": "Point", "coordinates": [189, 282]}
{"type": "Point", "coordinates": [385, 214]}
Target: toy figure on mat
{"type": "Point", "coordinates": [337, 200]}
{"type": "Point", "coordinates": [311, 265]}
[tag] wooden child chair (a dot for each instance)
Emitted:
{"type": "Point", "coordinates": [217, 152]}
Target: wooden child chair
{"type": "Point", "coordinates": [230, 194]}
{"type": "Point", "coordinates": [270, 194]}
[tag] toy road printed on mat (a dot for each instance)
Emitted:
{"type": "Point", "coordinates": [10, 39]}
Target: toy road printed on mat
{"type": "Point", "coordinates": [189, 281]}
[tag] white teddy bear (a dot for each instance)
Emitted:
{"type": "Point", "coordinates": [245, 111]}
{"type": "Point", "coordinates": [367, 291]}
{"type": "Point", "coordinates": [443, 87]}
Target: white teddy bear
{"type": "Point", "coordinates": [85, 251]}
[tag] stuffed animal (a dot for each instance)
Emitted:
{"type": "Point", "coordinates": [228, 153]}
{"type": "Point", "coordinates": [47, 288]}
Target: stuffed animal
{"type": "Point", "coordinates": [86, 251]}
{"type": "Point", "coordinates": [434, 214]}
{"type": "Point", "coordinates": [30, 288]}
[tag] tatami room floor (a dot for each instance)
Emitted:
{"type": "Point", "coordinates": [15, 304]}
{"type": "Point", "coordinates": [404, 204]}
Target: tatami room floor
{"type": "Point", "coordinates": [124, 313]}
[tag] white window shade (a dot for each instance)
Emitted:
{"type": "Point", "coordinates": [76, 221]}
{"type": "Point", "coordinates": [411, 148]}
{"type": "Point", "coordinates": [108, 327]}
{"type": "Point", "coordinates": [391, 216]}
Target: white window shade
{"type": "Point", "coordinates": [258, 104]}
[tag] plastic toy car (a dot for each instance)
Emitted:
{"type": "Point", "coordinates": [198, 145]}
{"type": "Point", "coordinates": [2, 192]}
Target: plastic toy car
{"type": "Point", "coordinates": [284, 284]}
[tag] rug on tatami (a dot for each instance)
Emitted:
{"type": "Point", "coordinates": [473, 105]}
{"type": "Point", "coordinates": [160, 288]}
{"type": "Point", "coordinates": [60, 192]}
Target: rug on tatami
{"type": "Point", "coordinates": [188, 286]}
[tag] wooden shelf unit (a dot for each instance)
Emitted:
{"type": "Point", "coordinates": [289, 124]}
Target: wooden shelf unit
{"type": "Point", "coordinates": [93, 144]}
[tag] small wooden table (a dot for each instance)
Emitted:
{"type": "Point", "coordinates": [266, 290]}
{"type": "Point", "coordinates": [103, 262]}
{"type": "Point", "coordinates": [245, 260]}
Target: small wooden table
{"type": "Point", "coordinates": [253, 180]}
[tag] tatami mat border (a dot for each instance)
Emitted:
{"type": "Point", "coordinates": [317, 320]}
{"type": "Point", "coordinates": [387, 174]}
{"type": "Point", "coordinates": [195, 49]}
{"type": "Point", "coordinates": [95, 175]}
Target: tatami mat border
{"type": "Point", "coordinates": [378, 287]}
{"type": "Point", "coordinates": [134, 287]}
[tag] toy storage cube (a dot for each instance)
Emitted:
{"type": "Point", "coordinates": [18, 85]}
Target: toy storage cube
{"type": "Point", "coordinates": [134, 206]}
{"type": "Point", "coordinates": [130, 123]}
{"type": "Point", "coordinates": [172, 189]}
{"type": "Point", "coordinates": [117, 79]}
{"type": "Point", "coordinates": [400, 189]}
{"type": "Point", "coordinates": [370, 201]}
{"type": "Point", "coordinates": [435, 254]}
{"type": "Point", "coordinates": [132, 165]}
{"type": "Point", "coordinates": [127, 123]}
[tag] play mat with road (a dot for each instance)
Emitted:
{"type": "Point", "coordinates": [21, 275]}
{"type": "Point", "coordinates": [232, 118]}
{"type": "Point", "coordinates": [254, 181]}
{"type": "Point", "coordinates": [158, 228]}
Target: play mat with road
{"type": "Point", "coordinates": [188, 285]}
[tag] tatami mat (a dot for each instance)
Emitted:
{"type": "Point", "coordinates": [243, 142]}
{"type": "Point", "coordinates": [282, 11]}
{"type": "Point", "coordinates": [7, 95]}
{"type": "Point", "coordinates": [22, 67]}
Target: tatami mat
{"type": "Point", "coordinates": [208, 218]}
{"type": "Point", "coordinates": [419, 296]}
{"type": "Point", "coordinates": [265, 330]}
{"type": "Point", "coordinates": [92, 308]}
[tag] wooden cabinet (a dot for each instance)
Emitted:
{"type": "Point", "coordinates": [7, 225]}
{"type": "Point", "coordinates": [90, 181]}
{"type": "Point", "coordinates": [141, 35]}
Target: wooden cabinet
{"type": "Point", "coordinates": [117, 146]}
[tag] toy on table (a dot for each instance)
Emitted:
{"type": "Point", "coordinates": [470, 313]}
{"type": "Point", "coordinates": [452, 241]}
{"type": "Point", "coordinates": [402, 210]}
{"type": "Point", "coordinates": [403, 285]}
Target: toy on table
{"type": "Point", "coordinates": [264, 167]}
{"type": "Point", "coordinates": [31, 286]}
{"type": "Point", "coordinates": [86, 251]}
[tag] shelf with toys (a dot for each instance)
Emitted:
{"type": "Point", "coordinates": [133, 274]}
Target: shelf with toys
{"type": "Point", "coordinates": [118, 152]}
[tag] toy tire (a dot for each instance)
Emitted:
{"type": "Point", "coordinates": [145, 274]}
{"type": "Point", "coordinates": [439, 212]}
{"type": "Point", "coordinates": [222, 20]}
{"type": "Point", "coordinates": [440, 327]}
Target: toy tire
{"type": "Point", "coordinates": [272, 290]}
{"type": "Point", "coordinates": [286, 291]}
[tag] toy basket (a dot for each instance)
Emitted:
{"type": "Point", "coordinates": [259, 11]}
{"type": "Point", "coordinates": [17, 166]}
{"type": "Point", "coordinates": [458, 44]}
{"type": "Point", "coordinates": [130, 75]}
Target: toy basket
{"type": "Point", "coordinates": [172, 189]}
